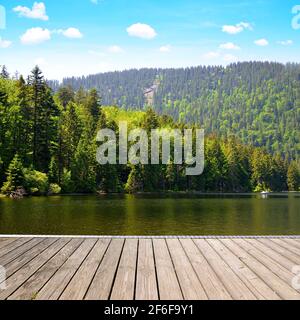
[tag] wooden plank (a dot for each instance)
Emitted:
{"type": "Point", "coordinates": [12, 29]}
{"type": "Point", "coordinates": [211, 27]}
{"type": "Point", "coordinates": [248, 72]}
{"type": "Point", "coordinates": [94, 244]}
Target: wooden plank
{"type": "Point", "coordinates": [268, 262]}
{"type": "Point", "coordinates": [286, 246]}
{"type": "Point", "coordinates": [169, 288]}
{"type": "Point", "coordinates": [80, 283]}
{"type": "Point", "coordinates": [57, 284]}
{"type": "Point", "coordinates": [13, 246]}
{"type": "Point", "coordinates": [18, 278]}
{"type": "Point", "coordinates": [26, 257]}
{"type": "Point", "coordinates": [277, 248]}
{"type": "Point", "coordinates": [214, 288]}
{"type": "Point", "coordinates": [237, 289]}
{"type": "Point", "coordinates": [279, 258]}
{"type": "Point", "coordinates": [101, 286]}
{"type": "Point", "coordinates": [5, 241]}
{"type": "Point", "coordinates": [190, 285]}
{"type": "Point", "coordinates": [293, 242]}
{"type": "Point", "coordinates": [30, 289]}
{"type": "Point", "coordinates": [149, 269]}
{"type": "Point", "coordinates": [12, 255]}
{"type": "Point", "coordinates": [251, 280]}
{"type": "Point", "coordinates": [124, 285]}
{"type": "Point", "coordinates": [271, 279]}
{"type": "Point", "coordinates": [146, 284]}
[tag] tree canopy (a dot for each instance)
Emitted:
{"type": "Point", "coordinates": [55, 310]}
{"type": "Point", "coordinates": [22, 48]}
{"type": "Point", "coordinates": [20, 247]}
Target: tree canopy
{"type": "Point", "coordinates": [48, 139]}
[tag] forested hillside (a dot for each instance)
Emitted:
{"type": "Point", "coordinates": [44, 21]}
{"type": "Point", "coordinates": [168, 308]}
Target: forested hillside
{"type": "Point", "coordinates": [258, 102]}
{"type": "Point", "coordinates": [48, 145]}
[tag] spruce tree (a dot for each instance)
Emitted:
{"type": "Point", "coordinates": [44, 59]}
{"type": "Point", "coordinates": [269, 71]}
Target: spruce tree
{"type": "Point", "coordinates": [71, 131]}
{"type": "Point", "coordinates": [45, 114]}
{"type": "Point", "coordinates": [66, 95]}
{"type": "Point", "coordinates": [4, 73]}
{"type": "Point", "coordinates": [294, 177]}
{"type": "Point", "coordinates": [15, 176]}
{"type": "Point", "coordinates": [83, 167]}
{"type": "Point", "coordinates": [93, 104]}
{"type": "Point", "coordinates": [135, 181]}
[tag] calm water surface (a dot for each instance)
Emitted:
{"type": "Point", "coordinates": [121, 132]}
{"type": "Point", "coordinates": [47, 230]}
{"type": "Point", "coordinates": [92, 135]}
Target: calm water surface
{"type": "Point", "coordinates": [152, 215]}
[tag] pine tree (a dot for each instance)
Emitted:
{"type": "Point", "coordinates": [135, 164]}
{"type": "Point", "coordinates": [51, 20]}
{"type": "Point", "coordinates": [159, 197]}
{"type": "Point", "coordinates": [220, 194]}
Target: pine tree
{"type": "Point", "coordinates": [71, 131]}
{"type": "Point", "coordinates": [4, 73]}
{"type": "Point", "coordinates": [83, 167]}
{"type": "Point", "coordinates": [23, 127]}
{"type": "Point", "coordinates": [93, 104]}
{"type": "Point", "coordinates": [66, 95]}
{"type": "Point", "coordinates": [37, 92]}
{"type": "Point", "coordinates": [150, 120]}
{"type": "Point", "coordinates": [45, 114]}
{"type": "Point", "coordinates": [54, 174]}
{"type": "Point", "coordinates": [80, 96]}
{"type": "Point", "coordinates": [216, 167]}
{"type": "Point", "coordinates": [5, 157]}
{"type": "Point", "coordinates": [135, 180]}
{"type": "Point", "coordinates": [293, 177]}
{"type": "Point", "coordinates": [15, 176]}
{"type": "Point", "coordinates": [107, 179]}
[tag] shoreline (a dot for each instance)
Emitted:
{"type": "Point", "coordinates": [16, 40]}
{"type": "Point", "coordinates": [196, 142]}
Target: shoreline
{"type": "Point", "coordinates": [165, 193]}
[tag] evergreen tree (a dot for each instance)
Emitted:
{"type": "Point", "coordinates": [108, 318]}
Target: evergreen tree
{"type": "Point", "coordinates": [4, 73]}
{"type": "Point", "coordinates": [80, 96]}
{"type": "Point", "coordinates": [66, 95]}
{"type": "Point", "coordinates": [54, 174]}
{"type": "Point", "coordinates": [15, 176]}
{"type": "Point", "coordinates": [107, 179]}
{"type": "Point", "coordinates": [83, 167]}
{"type": "Point", "coordinates": [294, 177]}
{"type": "Point", "coordinates": [93, 104]}
{"type": "Point", "coordinates": [23, 127]}
{"type": "Point", "coordinates": [45, 114]}
{"type": "Point", "coordinates": [135, 180]}
{"type": "Point", "coordinates": [71, 131]}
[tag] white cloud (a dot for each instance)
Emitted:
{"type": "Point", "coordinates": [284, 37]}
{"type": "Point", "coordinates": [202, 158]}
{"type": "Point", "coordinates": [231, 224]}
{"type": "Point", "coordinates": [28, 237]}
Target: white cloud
{"type": "Point", "coordinates": [141, 30]}
{"type": "Point", "coordinates": [229, 46]}
{"type": "Point", "coordinates": [165, 49]}
{"type": "Point", "coordinates": [230, 58]}
{"type": "Point", "coordinates": [286, 42]}
{"type": "Point", "coordinates": [211, 55]}
{"type": "Point", "coordinates": [72, 33]}
{"type": "Point", "coordinates": [262, 42]}
{"type": "Point", "coordinates": [4, 44]}
{"type": "Point", "coordinates": [115, 49]}
{"type": "Point", "coordinates": [35, 36]}
{"type": "Point", "coordinates": [235, 29]}
{"type": "Point", "coordinates": [38, 11]}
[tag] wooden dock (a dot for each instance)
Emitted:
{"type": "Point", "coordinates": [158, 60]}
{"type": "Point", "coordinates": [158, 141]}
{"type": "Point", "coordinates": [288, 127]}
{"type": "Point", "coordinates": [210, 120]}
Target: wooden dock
{"type": "Point", "coordinates": [172, 268]}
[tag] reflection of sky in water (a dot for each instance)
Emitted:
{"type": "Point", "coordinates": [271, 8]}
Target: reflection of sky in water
{"type": "Point", "coordinates": [153, 215]}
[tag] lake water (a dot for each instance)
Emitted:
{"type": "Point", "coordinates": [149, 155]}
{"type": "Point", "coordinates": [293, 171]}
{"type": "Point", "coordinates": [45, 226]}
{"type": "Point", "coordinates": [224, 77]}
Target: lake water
{"type": "Point", "coordinates": [152, 215]}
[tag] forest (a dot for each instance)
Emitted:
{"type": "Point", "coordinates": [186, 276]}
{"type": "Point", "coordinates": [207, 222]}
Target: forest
{"type": "Point", "coordinates": [258, 102]}
{"type": "Point", "coordinates": [48, 137]}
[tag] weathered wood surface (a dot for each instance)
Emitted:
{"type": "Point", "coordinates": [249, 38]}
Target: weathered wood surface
{"type": "Point", "coordinates": [172, 268]}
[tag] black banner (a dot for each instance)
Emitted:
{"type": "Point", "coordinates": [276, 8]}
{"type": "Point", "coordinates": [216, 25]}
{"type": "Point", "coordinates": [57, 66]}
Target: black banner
{"type": "Point", "coordinates": [149, 310]}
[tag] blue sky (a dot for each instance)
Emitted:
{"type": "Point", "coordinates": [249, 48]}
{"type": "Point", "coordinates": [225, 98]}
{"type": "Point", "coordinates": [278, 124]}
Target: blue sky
{"type": "Point", "coordinates": [79, 37]}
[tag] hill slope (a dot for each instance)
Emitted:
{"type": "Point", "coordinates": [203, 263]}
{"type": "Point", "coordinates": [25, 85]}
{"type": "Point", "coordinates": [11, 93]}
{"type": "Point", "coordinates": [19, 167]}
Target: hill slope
{"type": "Point", "coordinates": [259, 102]}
